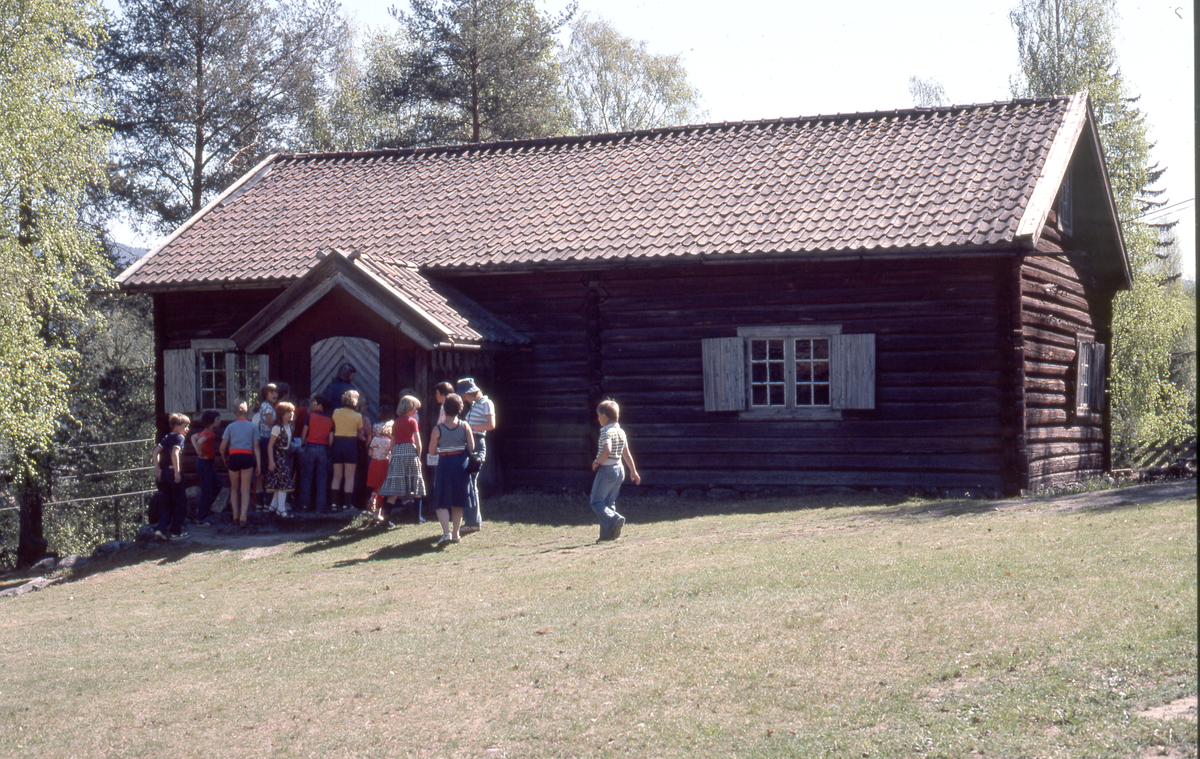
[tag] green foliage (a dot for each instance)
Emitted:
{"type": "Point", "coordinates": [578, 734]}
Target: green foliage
{"type": "Point", "coordinates": [50, 149]}
{"type": "Point", "coordinates": [1068, 46]}
{"type": "Point", "coordinates": [482, 69]}
{"type": "Point", "coordinates": [367, 107]}
{"type": "Point", "coordinates": [615, 84]}
{"type": "Point", "coordinates": [205, 89]}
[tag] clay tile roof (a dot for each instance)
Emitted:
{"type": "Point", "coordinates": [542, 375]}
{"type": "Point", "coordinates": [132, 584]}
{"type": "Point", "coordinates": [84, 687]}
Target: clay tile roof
{"type": "Point", "coordinates": [866, 183]}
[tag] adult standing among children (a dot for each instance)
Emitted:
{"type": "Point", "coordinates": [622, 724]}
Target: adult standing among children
{"type": "Point", "coordinates": [342, 381]}
{"type": "Point", "coordinates": [480, 415]}
{"type": "Point", "coordinates": [453, 442]}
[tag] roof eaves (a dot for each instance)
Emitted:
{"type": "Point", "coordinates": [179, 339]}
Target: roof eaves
{"type": "Point", "coordinates": [248, 179]}
{"type": "Point", "coordinates": [1054, 168]}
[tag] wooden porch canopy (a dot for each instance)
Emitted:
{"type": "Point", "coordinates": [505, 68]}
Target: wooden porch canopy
{"type": "Point", "coordinates": [433, 315]}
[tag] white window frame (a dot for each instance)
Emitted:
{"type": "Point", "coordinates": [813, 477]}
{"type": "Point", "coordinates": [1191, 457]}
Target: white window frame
{"type": "Point", "coordinates": [183, 381]}
{"type": "Point", "coordinates": [788, 336]}
{"type": "Point", "coordinates": [729, 379]}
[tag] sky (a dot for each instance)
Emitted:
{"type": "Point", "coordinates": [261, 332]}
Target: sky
{"type": "Point", "coordinates": [765, 59]}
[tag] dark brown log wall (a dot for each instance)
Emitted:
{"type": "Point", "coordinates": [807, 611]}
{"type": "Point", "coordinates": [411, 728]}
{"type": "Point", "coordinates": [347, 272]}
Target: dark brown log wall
{"type": "Point", "coordinates": [1062, 300]}
{"type": "Point", "coordinates": [944, 384]}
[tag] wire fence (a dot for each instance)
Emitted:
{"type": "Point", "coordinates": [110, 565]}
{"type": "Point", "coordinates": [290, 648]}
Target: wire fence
{"type": "Point", "coordinates": [96, 493]}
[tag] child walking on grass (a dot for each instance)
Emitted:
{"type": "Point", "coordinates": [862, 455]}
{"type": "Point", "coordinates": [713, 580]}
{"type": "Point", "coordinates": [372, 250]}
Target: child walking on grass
{"type": "Point", "coordinates": [612, 453]}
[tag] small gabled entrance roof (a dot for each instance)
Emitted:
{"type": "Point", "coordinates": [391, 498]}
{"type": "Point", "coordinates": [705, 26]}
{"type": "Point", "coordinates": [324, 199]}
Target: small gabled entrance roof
{"type": "Point", "coordinates": [432, 314]}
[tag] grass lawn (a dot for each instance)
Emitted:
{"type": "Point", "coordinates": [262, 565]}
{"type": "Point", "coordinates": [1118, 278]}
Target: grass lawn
{"type": "Point", "coordinates": [855, 625]}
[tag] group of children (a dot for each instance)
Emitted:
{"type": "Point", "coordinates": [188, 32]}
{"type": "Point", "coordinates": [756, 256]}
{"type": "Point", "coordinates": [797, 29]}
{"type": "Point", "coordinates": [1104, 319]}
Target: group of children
{"type": "Point", "coordinates": [330, 442]}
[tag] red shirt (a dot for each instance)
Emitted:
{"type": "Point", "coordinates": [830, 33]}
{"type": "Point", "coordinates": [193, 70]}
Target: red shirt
{"type": "Point", "coordinates": [208, 440]}
{"type": "Point", "coordinates": [404, 430]}
{"type": "Point", "coordinates": [319, 427]}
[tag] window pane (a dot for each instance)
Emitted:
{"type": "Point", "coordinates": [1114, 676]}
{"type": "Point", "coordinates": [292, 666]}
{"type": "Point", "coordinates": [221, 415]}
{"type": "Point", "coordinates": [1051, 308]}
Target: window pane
{"type": "Point", "coordinates": [767, 373]}
{"type": "Point", "coordinates": [212, 380]}
{"type": "Point", "coordinates": [803, 395]}
{"type": "Point", "coordinates": [812, 372]}
{"type": "Point", "coordinates": [758, 395]}
{"type": "Point", "coordinates": [820, 395]}
{"type": "Point", "coordinates": [777, 395]}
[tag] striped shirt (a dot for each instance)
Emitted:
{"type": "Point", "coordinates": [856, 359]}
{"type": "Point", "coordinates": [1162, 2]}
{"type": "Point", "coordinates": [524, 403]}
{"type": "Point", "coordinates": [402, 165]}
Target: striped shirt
{"type": "Point", "coordinates": [615, 437]}
{"type": "Point", "coordinates": [479, 412]}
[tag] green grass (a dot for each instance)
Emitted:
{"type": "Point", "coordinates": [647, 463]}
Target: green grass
{"type": "Point", "coordinates": [845, 627]}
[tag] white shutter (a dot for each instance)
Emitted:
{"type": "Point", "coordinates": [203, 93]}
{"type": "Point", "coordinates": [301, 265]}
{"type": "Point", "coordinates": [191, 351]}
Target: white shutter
{"type": "Point", "coordinates": [724, 373]}
{"type": "Point", "coordinates": [179, 381]}
{"type": "Point", "coordinates": [852, 371]}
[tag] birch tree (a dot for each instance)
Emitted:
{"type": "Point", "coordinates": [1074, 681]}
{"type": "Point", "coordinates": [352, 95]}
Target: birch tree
{"type": "Point", "coordinates": [615, 84]}
{"type": "Point", "coordinates": [50, 150]}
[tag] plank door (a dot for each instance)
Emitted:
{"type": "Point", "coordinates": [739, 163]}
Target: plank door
{"type": "Point", "coordinates": [330, 353]}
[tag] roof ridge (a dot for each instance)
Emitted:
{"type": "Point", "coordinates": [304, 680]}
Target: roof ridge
{"type": "Point", "coordinates": [581, 139]}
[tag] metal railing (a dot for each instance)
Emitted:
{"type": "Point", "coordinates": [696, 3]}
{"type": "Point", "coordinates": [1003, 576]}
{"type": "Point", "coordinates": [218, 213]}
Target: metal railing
{"type": "Point", "coordinates": [97, 493]}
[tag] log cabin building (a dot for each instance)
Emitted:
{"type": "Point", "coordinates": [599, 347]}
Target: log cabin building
{"type": "Point", "coordinates": [906, 299]}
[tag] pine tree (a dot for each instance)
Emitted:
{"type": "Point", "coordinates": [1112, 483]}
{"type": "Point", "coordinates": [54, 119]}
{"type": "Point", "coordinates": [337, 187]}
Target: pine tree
{"type": "Point", "coordinates": [483, 69]}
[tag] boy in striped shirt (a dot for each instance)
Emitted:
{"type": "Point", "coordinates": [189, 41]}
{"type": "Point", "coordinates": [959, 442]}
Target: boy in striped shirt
{"type": "Point", "coordinates": [612, 452]}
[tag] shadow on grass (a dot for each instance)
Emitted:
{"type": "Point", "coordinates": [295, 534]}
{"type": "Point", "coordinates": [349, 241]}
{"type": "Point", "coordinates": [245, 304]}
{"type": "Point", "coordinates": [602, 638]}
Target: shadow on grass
{"type": "Point", "coordinates": [408, 550]}
{"type": "Point", "coordinates": [572, 509]}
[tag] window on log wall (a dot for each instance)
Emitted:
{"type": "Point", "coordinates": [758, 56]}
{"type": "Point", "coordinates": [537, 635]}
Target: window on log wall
{"type": "Point", "coordinates": [211, 375]}
{"type": "Point", "coordinates": [810, 372]}
{"type": "Point", "coordinates": [1089, 375]}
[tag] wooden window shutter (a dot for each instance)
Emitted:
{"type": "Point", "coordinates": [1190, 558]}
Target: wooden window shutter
{"type": "Point", "coordinates": [852, 371]}
{"type": "Point", "coordinates": [179, 381]}
{"type": "Point", "coordinates": [1084, 374]}
{"type": "Point", "coordinates": [724, 373]}
{"type": "Point", "coordinates": [1096, 385]}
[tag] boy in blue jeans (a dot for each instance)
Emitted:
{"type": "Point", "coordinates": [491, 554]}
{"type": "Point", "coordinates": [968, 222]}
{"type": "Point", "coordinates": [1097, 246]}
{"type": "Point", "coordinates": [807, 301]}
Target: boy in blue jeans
{"type": "Point", "coordinates": [205, 444]}
{"type": "Point", "coordinates": [612, 451]}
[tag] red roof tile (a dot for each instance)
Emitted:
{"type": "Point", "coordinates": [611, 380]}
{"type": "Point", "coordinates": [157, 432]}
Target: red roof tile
{"type": "Point", "coordinates": [860, 183]}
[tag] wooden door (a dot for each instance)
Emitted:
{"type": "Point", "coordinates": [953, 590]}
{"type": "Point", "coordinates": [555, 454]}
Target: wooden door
{"type": "Point", "coordinates": [332, 352]}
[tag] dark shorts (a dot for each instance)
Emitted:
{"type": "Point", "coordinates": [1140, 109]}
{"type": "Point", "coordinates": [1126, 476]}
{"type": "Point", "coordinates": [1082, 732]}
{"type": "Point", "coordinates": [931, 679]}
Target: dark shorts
{"type": "Point", "coordinates": [239, 462]}
{"type": "Point", "coordinates": [344, 450]}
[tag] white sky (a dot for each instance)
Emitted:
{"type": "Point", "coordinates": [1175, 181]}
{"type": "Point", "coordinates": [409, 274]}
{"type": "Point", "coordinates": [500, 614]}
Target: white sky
{"type": "Point", "coordinates": [763, 59]}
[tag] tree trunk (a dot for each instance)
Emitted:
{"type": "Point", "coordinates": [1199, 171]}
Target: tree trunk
{"type": "Point", "coordinates": [31, 545]}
